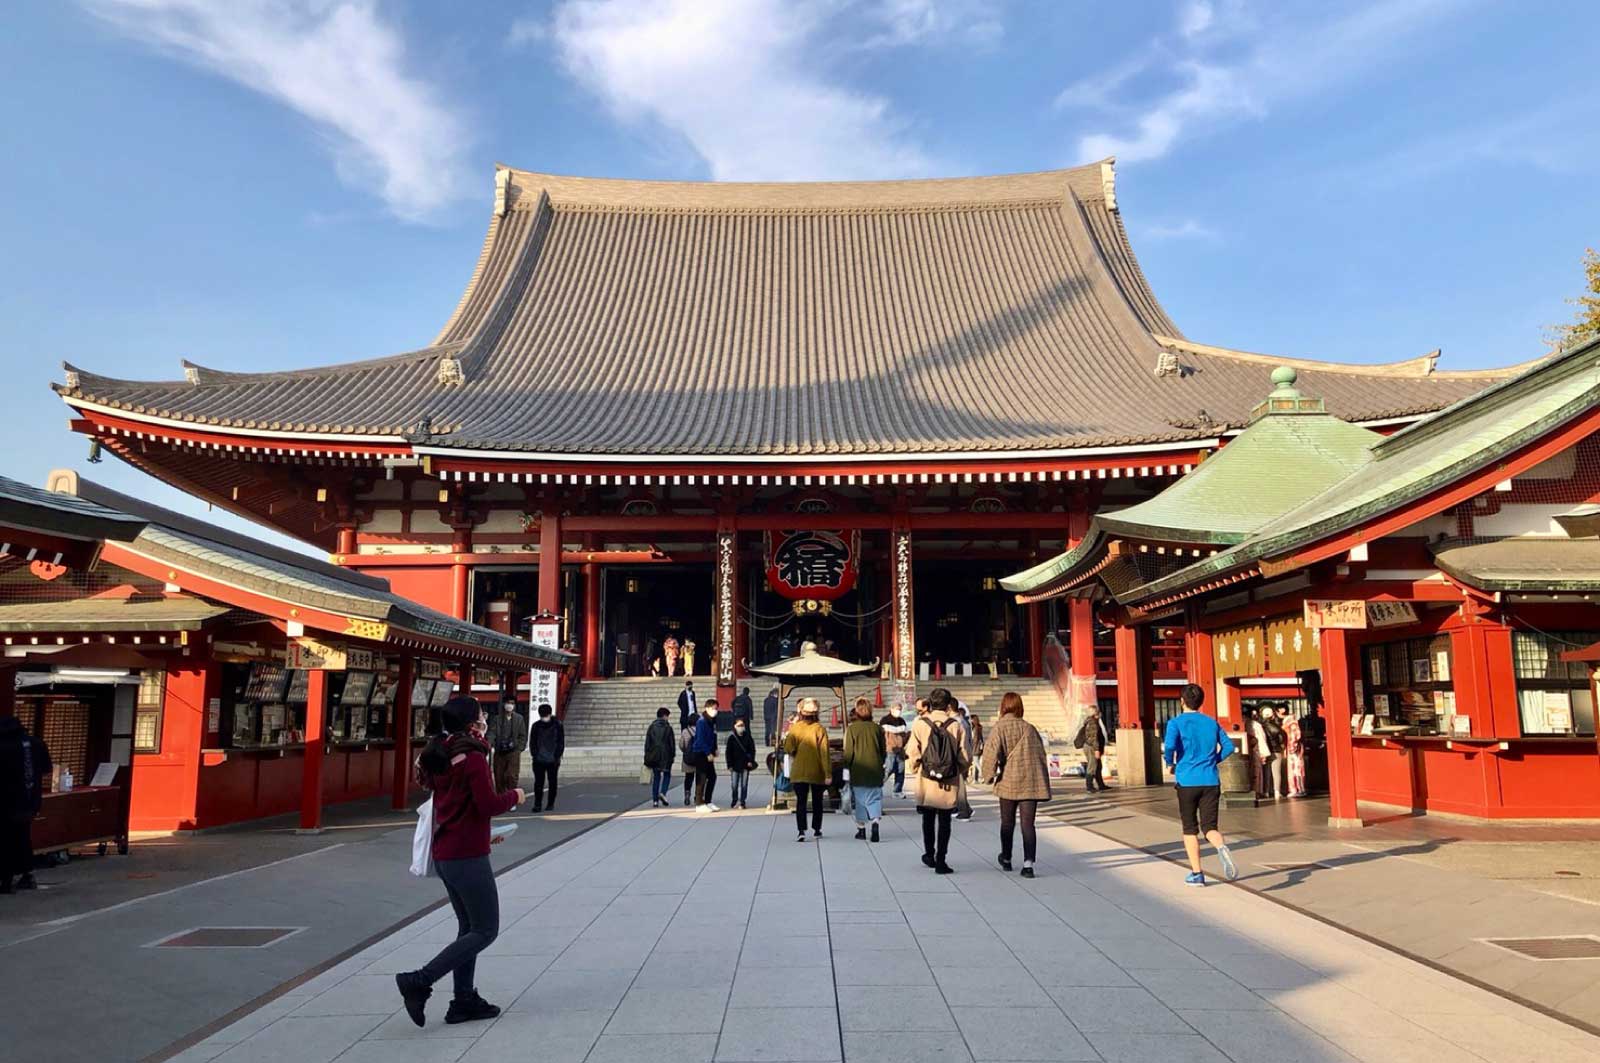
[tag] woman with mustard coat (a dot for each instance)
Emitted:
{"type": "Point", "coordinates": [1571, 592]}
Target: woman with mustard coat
{"type": "Point", "coordinates": [810, 769]}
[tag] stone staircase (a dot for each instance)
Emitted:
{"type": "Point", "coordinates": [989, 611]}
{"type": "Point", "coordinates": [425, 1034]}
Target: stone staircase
{"type": "Point", "coordinates": [606, 719]}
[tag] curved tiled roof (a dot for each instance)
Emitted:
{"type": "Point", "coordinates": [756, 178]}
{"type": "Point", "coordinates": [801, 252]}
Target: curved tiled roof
{"type": "Point", "coordinates": [868, 318]}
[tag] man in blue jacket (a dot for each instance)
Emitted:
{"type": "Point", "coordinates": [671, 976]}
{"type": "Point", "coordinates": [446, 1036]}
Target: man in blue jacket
{"type": "Point", "coordinates": [1194, 746]}
{"type": "Point", "coordinates": [703, 748]}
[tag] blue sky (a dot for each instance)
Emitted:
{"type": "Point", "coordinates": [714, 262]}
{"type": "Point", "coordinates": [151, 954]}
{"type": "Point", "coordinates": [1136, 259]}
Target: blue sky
{"type": "Point", "coordinates": [259, 185]}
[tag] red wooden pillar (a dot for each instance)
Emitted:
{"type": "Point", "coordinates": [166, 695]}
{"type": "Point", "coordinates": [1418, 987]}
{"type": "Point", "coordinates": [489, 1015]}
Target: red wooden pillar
{"type": "Point", "coordinates": [1201, 665]}
{"type": "Point", "coordinates": [402, 732]}
{"type": "Point", "coordinates": [316, 735]}
{"type": "Point", "coordinates": [1137, 764]}
{"type": "Point", "coordinates": [1034, 614]}
{"type": "Point", "coordinates": [460, 571]}
{"type": "Point", "coordinates": [347, 540]}
{"type": "Point", "coordinates": [1080, 618]}
{"type": "Point", "coordinates": [550, 565]}
{"type": "Point", "coordinates": [591, 621]}
{"type": "Point", "coordinates": [725, 606]}
{"type": "Point", "coordinates": [1338, 703]}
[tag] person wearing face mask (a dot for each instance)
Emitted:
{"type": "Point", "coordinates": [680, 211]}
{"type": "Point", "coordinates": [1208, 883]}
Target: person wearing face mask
{"type": "Point", "coordinates": [703, 748]}
{"type": "Point", "coordinates": [547, 742]}
{"type": "Point", "coordinates": [895, 732]}
{"type": "Point", "coordinates": [740, 757]}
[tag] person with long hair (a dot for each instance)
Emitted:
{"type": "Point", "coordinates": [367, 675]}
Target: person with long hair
{"type": "Point", "coordinates": [937, 760]}
{"type": "Point", "coordinates": [809, 766]}
{"type": "Point", "coordinates": [1014, 763]}
{"type": "Point", "coordinates": [864, 753]}
{"type": "Point", "coordinates": [454, 765]}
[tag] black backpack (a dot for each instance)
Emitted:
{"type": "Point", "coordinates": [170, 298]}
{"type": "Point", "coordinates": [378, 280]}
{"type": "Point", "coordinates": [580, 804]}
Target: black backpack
{"type": "Point", "coordinates": [941, 758]}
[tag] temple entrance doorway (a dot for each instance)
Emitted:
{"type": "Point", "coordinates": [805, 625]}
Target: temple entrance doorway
{"type": "Point", "coordinates": [963, 622]}
{"type": "Point", "coordinates": [656, 620]}
{"type": "Point", "coordinates": [853, 627]}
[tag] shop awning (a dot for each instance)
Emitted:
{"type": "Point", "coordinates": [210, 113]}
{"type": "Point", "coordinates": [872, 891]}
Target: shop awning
{"type": "Point", "coordinates": [1524, 564]}
{"type": "Point", "coordinates": [96, 615]}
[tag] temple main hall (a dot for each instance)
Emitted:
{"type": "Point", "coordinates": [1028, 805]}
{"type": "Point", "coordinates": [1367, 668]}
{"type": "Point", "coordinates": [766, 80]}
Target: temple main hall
{"type": "Point", "coordinates": [698, 424]}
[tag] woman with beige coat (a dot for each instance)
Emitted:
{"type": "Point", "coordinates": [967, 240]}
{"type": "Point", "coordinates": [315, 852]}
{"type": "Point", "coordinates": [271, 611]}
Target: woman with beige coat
{"type": "Point", "coordinates": [938, 785]}
{"type": "Point", "coordinates": [1014, 761]}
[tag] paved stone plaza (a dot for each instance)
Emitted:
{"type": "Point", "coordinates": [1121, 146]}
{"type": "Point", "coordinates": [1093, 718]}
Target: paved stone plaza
{"type": "Point", "coordinates": [675, 938]}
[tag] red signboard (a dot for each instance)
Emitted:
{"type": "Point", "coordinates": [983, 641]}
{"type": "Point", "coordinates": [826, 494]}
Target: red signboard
{"type": "Point", "coordinates": [812, 564]}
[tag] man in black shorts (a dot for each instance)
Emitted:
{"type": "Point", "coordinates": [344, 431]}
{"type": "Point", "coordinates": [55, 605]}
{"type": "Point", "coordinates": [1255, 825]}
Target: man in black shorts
{"type": "Point", "coordinates": [1193, 748]}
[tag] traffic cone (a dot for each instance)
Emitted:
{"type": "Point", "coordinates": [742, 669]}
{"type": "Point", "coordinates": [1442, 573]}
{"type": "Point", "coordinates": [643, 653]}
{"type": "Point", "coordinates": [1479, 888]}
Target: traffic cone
{"type": "Point", "coordinates": [877, 696]}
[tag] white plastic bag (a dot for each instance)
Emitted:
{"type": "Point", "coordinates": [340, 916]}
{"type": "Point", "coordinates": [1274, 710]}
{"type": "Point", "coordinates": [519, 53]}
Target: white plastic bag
{"type": "Point", "coordinates": [422, 841]}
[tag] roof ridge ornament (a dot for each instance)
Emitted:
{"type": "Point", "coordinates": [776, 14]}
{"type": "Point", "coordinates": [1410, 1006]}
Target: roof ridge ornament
{"type": "Point", "coordinates": [451, 374]}
{"type": "Point", "coordinates": [1108, 181]}
{"type": "Point", "coordinates": [1285, 397]}
{"type": "Point", "coordinates": [1167, 364]}
{"type": "Point", "coordinates": [191, 372]}
{"type": "Point", "coordinates": [502, 191]}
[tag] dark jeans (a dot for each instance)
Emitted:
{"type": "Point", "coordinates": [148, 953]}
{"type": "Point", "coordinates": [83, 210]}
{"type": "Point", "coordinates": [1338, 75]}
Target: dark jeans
{"type": "Point", "coordinates": [541, 772]}
{"type": "Point", "coordinates": [741, 788]}
{"type": "Point", "coordinates": [660, 783]}
{"type": "Point", "coordinates": [705, 781]}
{"type": "Point", "coordinates": [1093, 765]}
{"type": "Point", "coordinates": [936, 843]}
{"type": "Point", "coordinates": [688, 781]}
{"type": "Point", "coordinates": [1008, 822]}
{"type": "Point", "coordinates": [476, 900]}
{"type": "Point", "coordinates": [771, 723]}
{"type": "Point", "coordinates": [808, 793]}
{"type": "Point", "coordinates": [16, 848]}
{"type": "Point", "coordinates": [896, 767]}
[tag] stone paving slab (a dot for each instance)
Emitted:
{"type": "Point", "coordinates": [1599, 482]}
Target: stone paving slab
{"type": "Point", "coordinates": [683, 938]}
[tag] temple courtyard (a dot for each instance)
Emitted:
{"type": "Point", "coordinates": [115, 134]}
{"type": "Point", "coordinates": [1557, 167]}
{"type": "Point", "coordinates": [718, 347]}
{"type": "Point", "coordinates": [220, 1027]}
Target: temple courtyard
{"type": "Point", "coordinates": [673, 937]}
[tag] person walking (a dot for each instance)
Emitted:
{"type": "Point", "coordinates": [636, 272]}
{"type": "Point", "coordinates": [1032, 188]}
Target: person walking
{"type": "Point", "coordinates": [865, 748]}
{"type": "Point", "coordinates": [1294, 753]}
{"type": "Point", "coordinates": [977, 746]}
{"type": "Point", "coordinates": [24, 766]}
{"type": "Point", "coordinates": [704, 750]}
{"type": "Point", "coordinates": [808, 765]}
{"type": "Point", "coordinates": [937, 762]}
{"type": "Point", "coordinates": [508, 735]}
{"type": "Point", "coordinates": [688, 706]}
{"type": "Point", "coordinates": [455, 767]}
{"type": "Point", "coordinates": [548, 743]}
{"type": "Point", "coordinates": [1015, 765]}
{"type": "Point", "coordinates": [686, 733]}
{"type": "Point", "coordinates": [1193, 747]}
{"type": "Point", "coordinates": [1263, 730]}
{"type": "Point", "coordinates": [964, 718]}
{"type": "Point", "coordinates": [660, 750]}
{"type": "Point", "coordinates": [895, 732]}
{"type": "Point", "coordinates": [769, 716]}
{"type": "Point", "coordinates": [1092, 739]}
{"type": "Point", "coordinates": [740, 757]}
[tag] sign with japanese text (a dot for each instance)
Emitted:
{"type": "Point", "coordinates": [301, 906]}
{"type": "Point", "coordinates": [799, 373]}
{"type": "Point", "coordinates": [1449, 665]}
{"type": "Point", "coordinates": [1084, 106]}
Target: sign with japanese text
{"type": "Point", "coordinates": [1292, 645]}
{"type": "Point", "coordinates": [1238, 651]}
{"type": "Point", "coordinates": [812, 564]}
{"type": "Point", "coordinates": [546, 631]}
{"type": "Point", "coordinates": [1349, 614]}
{"type": "Point", "coordinates": [306, 654]}
{"type": "Point", "coordinates": [1390, 614]}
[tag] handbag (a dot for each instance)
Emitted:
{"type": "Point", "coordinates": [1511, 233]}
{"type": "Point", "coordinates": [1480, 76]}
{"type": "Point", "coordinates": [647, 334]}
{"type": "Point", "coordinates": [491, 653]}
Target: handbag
{"type": "Point", "coordinates": [422, 842]}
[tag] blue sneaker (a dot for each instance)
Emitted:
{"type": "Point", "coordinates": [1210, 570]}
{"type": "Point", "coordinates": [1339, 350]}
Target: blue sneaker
{"type": "Point", "coordinates": [1230, 870]}
{"type": "Point", "coordinates": [1195, 878]}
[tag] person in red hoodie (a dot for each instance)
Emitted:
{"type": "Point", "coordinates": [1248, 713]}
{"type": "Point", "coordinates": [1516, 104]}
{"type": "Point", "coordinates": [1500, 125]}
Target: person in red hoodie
{"type": "Point", "coordinates": [455, 766]}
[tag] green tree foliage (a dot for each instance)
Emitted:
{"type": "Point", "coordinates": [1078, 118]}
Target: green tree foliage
{"type": "Point", "coordinates": [1587, 324]}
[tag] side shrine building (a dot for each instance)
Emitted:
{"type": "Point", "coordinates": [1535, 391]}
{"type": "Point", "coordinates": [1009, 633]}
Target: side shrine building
{"type": "Point", "coordinates": [701, 423]}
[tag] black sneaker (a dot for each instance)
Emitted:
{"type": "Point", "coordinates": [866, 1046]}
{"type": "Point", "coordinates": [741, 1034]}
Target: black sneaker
{"type": "Point", "coordinates": [470, 1009]}
{"type": "Point", "coordinates": [802, 837]}
{"type": "Point", "coordinates": [874, 832]}
{"type": "Point", "coordinates": [1005, 863]}
{"type": "Point", "coordinates": [861, 834]}
{"type": "Point", "coordinates": [1027, 870]}
{"type": "Point", "coordinates": [928, 861]}
{"type": "Point", "coordinates": [816, 834]}
{"type": "Point", "coordinates": [536, 808]}
{"type": "Point", "coordinates": [415, 994]}
{"type": "Point", "coordinates": [943, 869]}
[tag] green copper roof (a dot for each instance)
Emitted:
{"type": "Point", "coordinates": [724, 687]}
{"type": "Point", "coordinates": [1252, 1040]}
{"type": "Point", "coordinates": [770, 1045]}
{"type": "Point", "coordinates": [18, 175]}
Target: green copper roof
{"type": "Point", "coordinates": [1528, 563]}
{"type": "Point", "coordinates": [1454, 443]}
{"type": "Point", "coordinates": [1059, 567]}
{"type": "Point", "coordinates": [1276, 464]}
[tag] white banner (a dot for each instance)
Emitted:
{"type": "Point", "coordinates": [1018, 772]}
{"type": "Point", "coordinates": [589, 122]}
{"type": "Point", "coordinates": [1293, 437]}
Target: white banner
{"type": "Point", "coordinates": [545, 632]}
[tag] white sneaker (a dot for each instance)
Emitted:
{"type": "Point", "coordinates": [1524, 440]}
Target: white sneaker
{"type": "Point", "coordinates": [713, 808]}
{"type": "Point", "coordinates": [703, 808]}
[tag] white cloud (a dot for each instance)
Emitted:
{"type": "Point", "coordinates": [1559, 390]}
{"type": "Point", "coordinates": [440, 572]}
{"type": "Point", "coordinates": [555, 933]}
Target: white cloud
{"type": "Point", "coordinates": [1188, 229]}
{"type": "Point", "coordinates": [741, 81]}
{"type": "Point", "coordinates": [1195, 18]}
{"type": "Point", "coordinates": [910, 22]}
{"type": "Point", "coordinates": [340, 64]}
{"type": "Point", "coordinates": [1224, 64]}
